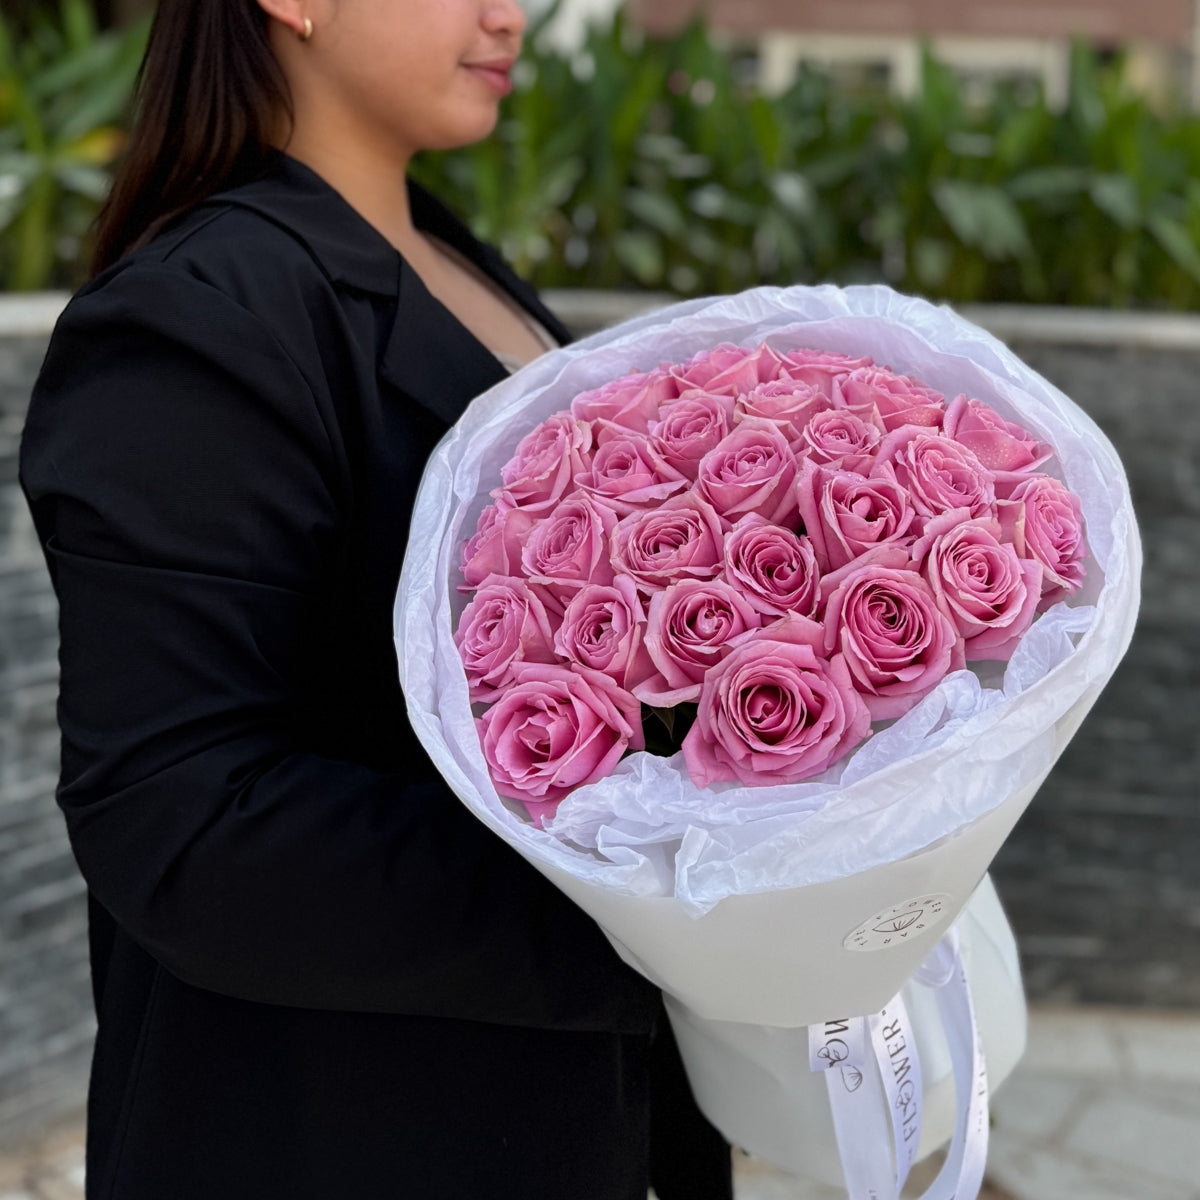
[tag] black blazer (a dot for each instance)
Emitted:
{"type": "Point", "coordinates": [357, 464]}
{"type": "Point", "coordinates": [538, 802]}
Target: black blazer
{"type": "Point", "coordinates": [316, 974]}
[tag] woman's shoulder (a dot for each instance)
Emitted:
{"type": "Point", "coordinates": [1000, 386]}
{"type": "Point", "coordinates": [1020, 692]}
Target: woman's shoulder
{"type": "Point", "coordinates": [215, 256]}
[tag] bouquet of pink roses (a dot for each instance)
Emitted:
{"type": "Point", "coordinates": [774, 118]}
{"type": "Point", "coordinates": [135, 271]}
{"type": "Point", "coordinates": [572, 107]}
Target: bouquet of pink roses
{"type": "Point", "coordinates": [764, 550]}
{"type": "Point", "coordinates": [759, 655]}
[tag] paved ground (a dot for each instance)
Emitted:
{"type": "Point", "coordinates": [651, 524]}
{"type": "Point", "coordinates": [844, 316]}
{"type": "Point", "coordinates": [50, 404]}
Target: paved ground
{"type": "Point", "coordinates": [1104, 1106]}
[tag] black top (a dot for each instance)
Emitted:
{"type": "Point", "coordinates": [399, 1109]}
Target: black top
{"type": "Point", "coordinates": [221, 457]}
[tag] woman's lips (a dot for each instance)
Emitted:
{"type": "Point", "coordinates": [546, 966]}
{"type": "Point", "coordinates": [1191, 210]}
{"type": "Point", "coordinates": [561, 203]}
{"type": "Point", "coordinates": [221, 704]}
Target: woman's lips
{"type": "Point", "coordinates": [495, 74]}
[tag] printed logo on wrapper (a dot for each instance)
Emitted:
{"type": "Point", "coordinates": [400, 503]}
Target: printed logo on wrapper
{"type": "Point", "coordinates": [899, 924]}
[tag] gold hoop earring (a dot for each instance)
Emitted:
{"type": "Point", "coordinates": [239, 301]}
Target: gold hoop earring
{"type": "Point", "coordinates": [308, 30]}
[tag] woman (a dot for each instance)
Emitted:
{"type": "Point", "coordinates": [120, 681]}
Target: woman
{"type": "Point", "coordinates": [316, 976]}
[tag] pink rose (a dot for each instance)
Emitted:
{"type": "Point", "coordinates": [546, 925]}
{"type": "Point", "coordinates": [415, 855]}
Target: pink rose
{"type": "Point", "coordinates": [752, 470]}
{"type": "Point", "coordinates": [555, 729]}
{"type": "Point", "coordinates": [788, 404]}
{"type": "Point", "coordinates": [939, 473]}
{"type": "Point", "coordinates": [504, 625]}
{"type": "Point", "coordinates": [631, 401]}
{"type": "Point", "coordinates": [1000, 445]}
{"type": "Point", "coordinates": [688, 428]}
{"type": "Point", "coordinates": [681, 539]}
{"type": "Point", "coordinates": [774, 569]}
{"type": "Point", "coordinates": [690, 627]}
{"type": "Point", "coordinates": [774, 711]}
{"type": "Point", "coordinates": [546, 464]}
{"type": "Point", "coordinates": [846, 514]}
{"type": "Point", "coordinates": [730, 370]}
{"type": "Point", "coordinates": [989, 592]}
{"type": "Point", "coordinates": [603, 629]}
{"type": "Point", "coordinates": [821, 368]}
{"type": "Point", "coordinates": [1044, 522]}
{"type": "Point", "coordinates": [627, 473]}
{"type": "Point", "coordinates": [897, 642]}
{"type": "Point", "coordinates": [569, 548]}
{"type": "Point", "coordinates": [881, 397]}
{"type": "Point", "coordinates": [495, 547]}
{"type": "Point", "coordinates": [840, 440]}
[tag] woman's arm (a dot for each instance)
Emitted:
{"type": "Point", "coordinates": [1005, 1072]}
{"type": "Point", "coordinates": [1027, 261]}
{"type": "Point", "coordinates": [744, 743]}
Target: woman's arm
{"type": "Point", "coordinates": [189, 493]}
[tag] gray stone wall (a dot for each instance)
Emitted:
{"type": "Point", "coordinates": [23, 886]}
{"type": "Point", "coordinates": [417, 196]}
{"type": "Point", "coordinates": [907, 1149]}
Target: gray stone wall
{"type": "Point", "coordinates": [45, 1002]}
{"type": "Point", "coordinates": [1101, 877]}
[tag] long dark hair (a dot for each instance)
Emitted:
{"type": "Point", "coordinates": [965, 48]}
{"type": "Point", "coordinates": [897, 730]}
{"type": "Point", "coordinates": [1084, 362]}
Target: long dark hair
{"type": "Point", "coordinates": [209, 94]}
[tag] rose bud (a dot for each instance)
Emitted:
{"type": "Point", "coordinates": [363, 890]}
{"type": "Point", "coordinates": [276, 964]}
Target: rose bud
{"type": "Point", "coordinates": [628, 474]}
{"type": "Point", "coordinates": [631, 401]}
{"type": "Point", "coordinates": [681, 539]}
{"type": "Point", "coordinates": [1001, 446]}
{"type": "Point", "coordinates": [774, 568]}
{"type": "Point", "coordinates": [569, 548]}
{"type": "Point", "coordinates": [821, 368]}
{"type": "Point", "coordinates": [897, 642]}
{"type": "Point", "coordinates": [846, 514]}
{"type": "Point", "coordinates": [881, 397]}
{"type": "Point", "coordinates": [788, 404]}
{"type": "Point", "coordinates": [730, 370]}
{"type": "Point", "coordinates": [495, 547]}
{"type": "Point", "coordinates": [752, 470]}
{"type": "Point", "coordinates": [1044, 522]}
{"type": "Point", "coordinates": [603, 628]}
{"type": "Point", "coordinates": [986, 589]}
{"type": "Point", "coordinates": [839, 440]}
{"type": "Point", "coordinates": [939, 473]}
{"type": "Point", "coordinates": [555, 729]}
{"type": "Point", "coordinates": [547, 462]}
{"type": "Point", "coordinates": [690, 628]}
{"type": "Point", "coordinates": [688, 428]}
{"type": "Point", "coordinates": [504, 624]}
{"type": "Point", "coordinates": [774, 710]}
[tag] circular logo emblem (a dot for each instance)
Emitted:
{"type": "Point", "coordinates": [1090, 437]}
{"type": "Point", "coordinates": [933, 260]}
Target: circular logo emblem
{"type": "Point", "coordinates": [901, 923]}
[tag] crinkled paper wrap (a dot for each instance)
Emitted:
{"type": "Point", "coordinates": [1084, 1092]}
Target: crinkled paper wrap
{"type": "Point", "coordinates": [923, 804]}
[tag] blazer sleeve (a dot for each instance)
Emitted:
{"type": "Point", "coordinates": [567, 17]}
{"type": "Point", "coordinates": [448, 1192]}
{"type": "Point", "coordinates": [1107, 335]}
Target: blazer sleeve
{"type": "Point", "coordinates": [185, 485]}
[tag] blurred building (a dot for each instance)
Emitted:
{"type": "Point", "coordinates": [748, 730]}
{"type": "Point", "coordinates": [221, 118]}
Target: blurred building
{"type": "Point", "coordinates": [982, 39]}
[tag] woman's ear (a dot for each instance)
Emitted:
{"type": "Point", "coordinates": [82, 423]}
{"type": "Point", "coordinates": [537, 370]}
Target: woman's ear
{"type": "Point", "coordinates": [291, 14]}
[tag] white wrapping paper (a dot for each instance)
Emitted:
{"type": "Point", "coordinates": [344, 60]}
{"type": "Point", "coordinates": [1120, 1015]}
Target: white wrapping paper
{"type": "Point", "coordinates": [763, 905]}
{"type": "Point", "coordinates": [753, 1082]}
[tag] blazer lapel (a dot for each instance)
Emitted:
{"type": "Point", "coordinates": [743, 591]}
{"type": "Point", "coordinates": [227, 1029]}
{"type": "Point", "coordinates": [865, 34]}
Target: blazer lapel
{"type": "Point", "coordinates": [431, 356]}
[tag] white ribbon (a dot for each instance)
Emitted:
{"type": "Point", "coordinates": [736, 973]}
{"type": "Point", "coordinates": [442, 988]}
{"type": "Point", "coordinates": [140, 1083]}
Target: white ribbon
{"type": "Point", "coordinates": [872, 1070]}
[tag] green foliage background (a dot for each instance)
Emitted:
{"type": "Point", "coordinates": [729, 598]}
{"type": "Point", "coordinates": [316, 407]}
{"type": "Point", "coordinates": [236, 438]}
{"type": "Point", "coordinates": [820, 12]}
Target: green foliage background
{"type": "Point", "coordinates": [652, 163]}
{"type": "Point", "coordinates": [64, 92]}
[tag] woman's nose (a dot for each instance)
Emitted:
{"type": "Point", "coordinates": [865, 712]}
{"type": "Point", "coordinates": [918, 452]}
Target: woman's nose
{"type": "Point", "coordinates": [504, 16]}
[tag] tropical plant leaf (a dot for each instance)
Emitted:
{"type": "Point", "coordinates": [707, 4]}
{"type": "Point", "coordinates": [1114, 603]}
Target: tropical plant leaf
{"type": "Point", "coordinates": [1177, 242]}
{"type": "Point", "coordinates": [1117, 197]}
{"type": "Point", "coordinates": [983, 217]}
